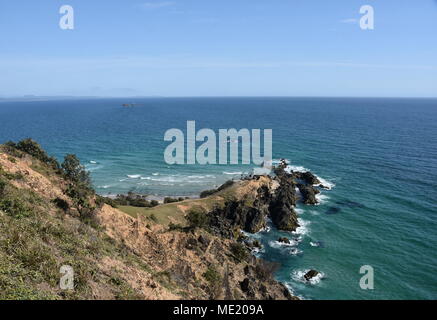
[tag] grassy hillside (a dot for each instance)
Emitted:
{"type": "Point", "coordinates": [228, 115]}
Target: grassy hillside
{"type": "Point", "coordinates": [50, 217]}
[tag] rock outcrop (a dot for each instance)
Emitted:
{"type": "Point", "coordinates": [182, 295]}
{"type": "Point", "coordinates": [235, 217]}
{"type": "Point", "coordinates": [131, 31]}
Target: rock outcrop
{"type": "Point", "coordinates": [275, 197]}
{"type": "Point", "coordinates": [284, 240]}
{"type": "Point", "coordinates": [308, 193]}
{"type": "Point", "coordinates": [310, 274]}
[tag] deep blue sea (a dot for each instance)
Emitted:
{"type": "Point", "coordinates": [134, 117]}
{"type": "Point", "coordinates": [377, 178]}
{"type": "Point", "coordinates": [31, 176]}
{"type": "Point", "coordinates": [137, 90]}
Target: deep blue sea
{"type": "Point", "coordinates": [380, 156]}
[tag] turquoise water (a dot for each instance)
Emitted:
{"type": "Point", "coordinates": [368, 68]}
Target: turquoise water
{"type": "Point", "coordinates": [380, 155]}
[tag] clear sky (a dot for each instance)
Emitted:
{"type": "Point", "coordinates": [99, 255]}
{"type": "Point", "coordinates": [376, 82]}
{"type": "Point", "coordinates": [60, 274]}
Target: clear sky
{"type": "Point", "coordinates": [218, 48]}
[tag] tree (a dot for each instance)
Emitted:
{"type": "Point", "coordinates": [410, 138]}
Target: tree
{"type": "Point", "coordinates": [75, 172]}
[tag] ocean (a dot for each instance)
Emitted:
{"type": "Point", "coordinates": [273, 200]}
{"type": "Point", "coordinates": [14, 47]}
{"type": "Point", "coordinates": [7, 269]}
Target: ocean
{"type": "Point", "coordinates": [379, 156]}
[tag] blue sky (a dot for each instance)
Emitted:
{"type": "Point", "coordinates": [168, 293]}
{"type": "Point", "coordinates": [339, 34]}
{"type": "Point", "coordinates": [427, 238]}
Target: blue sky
{"type": "Point", "coordinates": [218, 48]}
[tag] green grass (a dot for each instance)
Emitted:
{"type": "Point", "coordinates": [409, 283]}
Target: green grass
{"type": "Point", "coordinates": [170, 212]}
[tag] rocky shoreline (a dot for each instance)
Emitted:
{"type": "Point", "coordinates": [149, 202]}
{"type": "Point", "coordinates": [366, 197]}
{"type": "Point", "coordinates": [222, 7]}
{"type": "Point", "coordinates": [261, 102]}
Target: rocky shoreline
{"type": "Point", "coordinates": [275, 197]}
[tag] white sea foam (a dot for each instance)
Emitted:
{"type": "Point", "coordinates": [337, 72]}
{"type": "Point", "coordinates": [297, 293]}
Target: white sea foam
{"type": "Point", "coordinates": [326, 183]}
{"type": "Point", "coordinates": [155, 174]}
{"type": "Point", "coordinates": [257, 251]}
{"type": "Point", "coordinates": [134, 176]}
{"type": "Point", "coordinates": [291, 290]}
{"type": "Point", "coordinates": [303, 229]}
{"type": "Point", "coordinates": [299, 275]}
{"type": "Point", "coordinates": [321, 198]}
{"type": "Point", "coordinates": [299, 210]}
{"type": "Point", "coordinates": [279, 244]}
{"type": "Point", "coordinates": [296, 168]}
{"type": "Point", "coordinates": [233, 173]}
{"type": "Point", "coordinates": [314, 244]}
{"type": "Point", "coordinates": [93, 162]}
{"type": "Point", "coordinates": [92, 167]}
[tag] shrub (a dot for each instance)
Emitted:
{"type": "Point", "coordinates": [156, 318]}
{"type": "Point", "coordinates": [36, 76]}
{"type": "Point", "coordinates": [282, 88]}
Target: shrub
{"type": "Point", "coordinates": [225, 185]}
{"type": "Point", "coordinates": [153, 218]}
{"type": "Point", "coordinates": [175, 227]}
{"type": "Point", "coordinates": [61, 204]}
{"type": "Point", "coordinates": [105, 200]}
{"type": "Point", "coordinates": [3, 185]}
{"type": "Point", "coordinates": [208, 193]}
{"type": "Point", "coordinates": [12, 159]}
{"type": "Point", "coordinates": [11, 148]}
{"type": "Point", "coordinates": [131, 199]}
{"type": "Point", "coordinates": [14, 207]}
{"type": "Point", "coordinates": [197, 218]}
{"type": "Point", "coordinates": [33, 148]}
{"type": "Point", "coordinates": [239, 251]}
{"type": "Point", "coordinates": [171, 200]}
{"type": "Point", "coordinates": [212, 275]}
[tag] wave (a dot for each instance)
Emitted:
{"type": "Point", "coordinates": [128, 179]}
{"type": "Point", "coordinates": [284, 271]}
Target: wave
{"type": "Point", "coordinates": [93, 162]}
{"type": "Point", "coordinates": [233, 173]}
{"type": "Point", "coordinates": [134, 176]}
{"type": "Point", "coordinates": [92, 168]}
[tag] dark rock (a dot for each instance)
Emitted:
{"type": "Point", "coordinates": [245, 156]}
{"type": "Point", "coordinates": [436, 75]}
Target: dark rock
{"type": "Point", "coordinates": [310, 274]}
{"type": "Point", "coordinates": [307, 177]}
{"type": "Point", "coordinates": [246, 270]}
{"type": "Point", "coordinates": [281, 207]}
{"type": "Point", "coordinates": [256, 244]}
{"type": "Point", "coordinates": [238, 214]}
{"type": "Point", "coordinates": [308, 194]}
{"type": "Point", "coordinates": [247, 286]}
{"type": "Point", "coordinates": [284, 240]}
{"type": "Point", "coordinates": [287, 294]}
{"type": "Point", "coordinates": [203, 240]}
